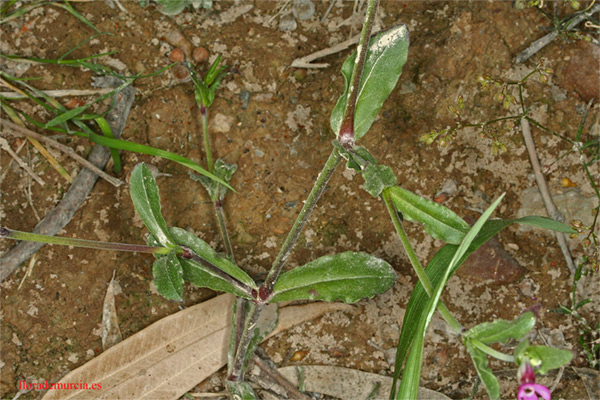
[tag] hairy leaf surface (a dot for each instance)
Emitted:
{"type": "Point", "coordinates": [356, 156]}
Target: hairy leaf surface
{"type": "Point", "coordinates": [383, 65]}
{"type": "Point", "coordinates": [146, 200]}
{"type": "Point", "coordinates": [346, 276]}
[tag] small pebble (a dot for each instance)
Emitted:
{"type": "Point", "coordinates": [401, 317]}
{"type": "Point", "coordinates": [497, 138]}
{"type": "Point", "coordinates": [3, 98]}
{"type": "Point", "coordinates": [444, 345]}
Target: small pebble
{"type": "Point", "coordinates": [200, 55]}
{"type": "Point", "coordinates": [303, 9]}
{"type": "Point", "coordinates": [245, 99]}
{"type": "Point", "coordinates": [290, 204]}
{"type": "Point", "coordinates": [287, 23]}
{"type": "Point", "coordinates": [176, 55]}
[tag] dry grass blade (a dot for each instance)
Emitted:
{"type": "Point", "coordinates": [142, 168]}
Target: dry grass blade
{"type": "Point", "coordinates": [57, 93]}
{"type": "Point", "coordinates": [169, 357]}
{"type": "Point", "coordinates": [6, 147]}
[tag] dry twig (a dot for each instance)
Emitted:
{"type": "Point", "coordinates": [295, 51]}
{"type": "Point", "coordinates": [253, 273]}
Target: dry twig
{"type": "Point", "coordinates": [6, 147]}
{"type": "Point", "coordinates": [305, 62]}
{"type": "Point", "coordinates": [549, 38]}
{"type": "Point", "coordinates": [545, 192]}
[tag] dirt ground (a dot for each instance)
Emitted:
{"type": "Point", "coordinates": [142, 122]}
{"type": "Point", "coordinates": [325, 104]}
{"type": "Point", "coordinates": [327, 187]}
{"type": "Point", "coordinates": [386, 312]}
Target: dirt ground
{"type": "Point", "coordinates": [279, 139]}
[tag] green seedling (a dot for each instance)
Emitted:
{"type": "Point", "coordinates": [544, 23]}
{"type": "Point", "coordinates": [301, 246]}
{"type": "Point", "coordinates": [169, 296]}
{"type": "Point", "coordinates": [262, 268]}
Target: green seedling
{"type": "Point", "coordinates": [589, 336]}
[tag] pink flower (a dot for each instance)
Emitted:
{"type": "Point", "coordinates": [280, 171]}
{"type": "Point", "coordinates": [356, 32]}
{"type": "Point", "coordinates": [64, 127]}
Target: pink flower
{"type": "Point", "coordinates": [531, 391]}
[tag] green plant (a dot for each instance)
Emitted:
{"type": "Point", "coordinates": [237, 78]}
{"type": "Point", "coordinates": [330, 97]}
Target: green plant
{"type": "Point", "coordinates": [174, 7]}
{"type": "Point", "coordinates": [370, 75]}
{"type": "Point", "coordinates": [589, 337]}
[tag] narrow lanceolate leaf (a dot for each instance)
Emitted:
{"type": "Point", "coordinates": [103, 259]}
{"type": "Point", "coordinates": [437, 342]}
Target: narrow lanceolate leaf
{"type": "Point", "coordinates": [410, 379]}
{"type": "Point", "coordinates": [140, 148]}
{"type": "Point", "coordinates": [168, 277]}
{"type": "Point", "coordinates": [383, 65]}
{"type": "Point", "coordinates": [202, 249]}
{"type": "Point", "coordinates": [486, 375]}
{"type": "Point", "coordinates": [146, 200]}
{"type": "Point", "coordinates": [347, 276]}
{"type": "Point", "coordinates": [440, 222]}
{"type": "Point", "coordinates": [545, 223]}
{"type": "Point", "coordinates": [502, 330]}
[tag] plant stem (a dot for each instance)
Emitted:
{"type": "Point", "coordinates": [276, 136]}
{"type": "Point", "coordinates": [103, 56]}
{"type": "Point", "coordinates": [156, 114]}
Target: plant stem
{"type": "Point", "coordinates": [318, 188]}
{"type": "Point", "coordinates": [90, 244]}
{"type": "Point", "coordinates": [204, 118]}
{"type": "Point", "coordinates": [237, 371]}
{"type": "Point", "coordinates": [414, 260]}
{"type": "Point", "coordinates": [223, 229]}
{"type": "Point", "coordinates": [491, 352]}
{"type": "Point", "coordinates": [346, 133]}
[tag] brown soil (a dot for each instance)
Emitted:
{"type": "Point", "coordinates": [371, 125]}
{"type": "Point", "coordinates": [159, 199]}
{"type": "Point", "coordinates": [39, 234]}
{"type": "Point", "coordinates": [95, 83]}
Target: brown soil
{"type": "Point", "coordinates": [50, 322]}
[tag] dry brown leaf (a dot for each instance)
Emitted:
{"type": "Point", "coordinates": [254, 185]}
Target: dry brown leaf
{"type": "Point", "coordinates": [168, 358]}
{"type": "Point", "coordinates": [111, 334]}
{"type": "Point", "coordinates": [346, 383]}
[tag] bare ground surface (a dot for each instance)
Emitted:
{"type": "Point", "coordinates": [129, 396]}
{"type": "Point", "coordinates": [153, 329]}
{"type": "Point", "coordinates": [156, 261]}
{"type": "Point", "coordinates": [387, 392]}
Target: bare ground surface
{"type": "Point", "coordinates": [280, 139]}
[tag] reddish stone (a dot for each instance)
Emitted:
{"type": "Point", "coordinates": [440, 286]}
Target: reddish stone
{"type": "Point", "coordinates": [491, 262]}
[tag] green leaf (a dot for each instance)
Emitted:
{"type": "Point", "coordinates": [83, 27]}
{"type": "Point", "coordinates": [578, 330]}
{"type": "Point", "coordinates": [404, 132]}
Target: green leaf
{"type": "Point", "coordinates": [440, 222]}
{"type": "Point", "coordinates": [377, 178]}
{"type": "Point", "coordinates": [502, 330]}
{"type": "Point", "coordinates": [435, 271]}
{"type": "Point", "coordinates": [66, 116]}
{"type": "Point", "coordinates": [358, 157]}
{"type": "Point", "coordinates": [547, 358]}
{"type": "Point", "coordinates": [168, 277]}
{"type": "Point", "coordinates": [214, 71]}
{"type": "Point", "coordinates": [582, 303]}
{"type": "Point", "coordinates": [172, 7]}
{"type": "Point", "coordinates": [240, 390]}
{"type": "Point", "coordinates": [146, 200]}
{"type": "Point", "coordinates": [346, 276]}
{"type": "Point", "coordinates": [140, 148]}
{"type": "Point", "coordinates": [410, 379]}
{"type": "Point", "coordinates": [202, 249]}
{"type": "Point", "coordinates": [200, 275]}
{"type": "Point", "coordinates": [545, 223]}
{"type": "Point", "coordinates": [223, 171]}
{"type": "Point", "coordinates": [106, 131]}
{"type": "Point", "coordinates": [480, 362]}
{"type": "Point", "coordinates": [383, 65]}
